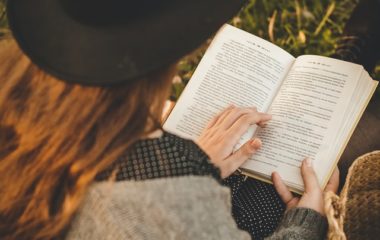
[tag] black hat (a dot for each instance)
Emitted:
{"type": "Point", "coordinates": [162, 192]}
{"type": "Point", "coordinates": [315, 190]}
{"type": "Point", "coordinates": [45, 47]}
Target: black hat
{"type": "Point", "coordinates": [107, 42]}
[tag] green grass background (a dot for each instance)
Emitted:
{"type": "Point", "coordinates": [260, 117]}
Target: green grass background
{"type": "Point", "coordinates": [3, 19]}
{"type": "Point", "coordinates": [298, 26]}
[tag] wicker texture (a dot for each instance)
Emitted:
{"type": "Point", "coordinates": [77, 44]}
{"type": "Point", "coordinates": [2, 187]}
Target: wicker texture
{"type": "Point", "coordinates": [356, 214]}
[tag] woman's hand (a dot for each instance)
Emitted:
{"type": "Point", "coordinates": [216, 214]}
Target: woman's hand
{"type": "Point", "coordinates": [223, 133]}
{"type": "Point", "coordinates": [313, 195]}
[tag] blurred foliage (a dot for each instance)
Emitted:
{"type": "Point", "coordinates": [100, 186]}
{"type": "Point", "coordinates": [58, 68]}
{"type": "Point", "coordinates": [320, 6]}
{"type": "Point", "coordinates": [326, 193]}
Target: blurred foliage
{"type": "Point", "coordinates": [3, 20]}
{"type": "Point", "coordinates": [298, 26]}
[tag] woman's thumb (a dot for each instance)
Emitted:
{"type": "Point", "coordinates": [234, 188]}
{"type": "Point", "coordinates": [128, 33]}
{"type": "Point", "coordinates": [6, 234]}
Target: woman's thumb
{"type": "Point", "coordinates": [309, 177]}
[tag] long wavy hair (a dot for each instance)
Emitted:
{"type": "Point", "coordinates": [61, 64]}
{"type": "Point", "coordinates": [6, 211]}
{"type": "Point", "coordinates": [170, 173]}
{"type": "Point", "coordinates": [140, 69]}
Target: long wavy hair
{"type": "Point", "coordinates": [56, 137]}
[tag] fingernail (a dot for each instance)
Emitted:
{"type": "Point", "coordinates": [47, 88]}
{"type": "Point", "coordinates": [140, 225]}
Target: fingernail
{"type": "Point", "coordinates": [309, 163]}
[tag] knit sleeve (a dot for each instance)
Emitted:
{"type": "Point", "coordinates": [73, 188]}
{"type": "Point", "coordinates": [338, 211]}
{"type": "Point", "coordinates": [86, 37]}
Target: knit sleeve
{"type": "Point", "coordinates": [301, 223]}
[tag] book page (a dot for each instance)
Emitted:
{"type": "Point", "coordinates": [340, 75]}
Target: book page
{"type": "Point", "coordinates": [307, 115]}
{"type": "Point", "coordinates": [364, 90]}
{"type": "Point", "coordinates": [238, 68]}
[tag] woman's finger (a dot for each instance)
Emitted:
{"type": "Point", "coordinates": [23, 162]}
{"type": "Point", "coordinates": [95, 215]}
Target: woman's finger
{"type": "Point", "coordinates": [282, 190]}
{"type": "Point", "coordinates": [309, 177]}
{"type": "Point", "coordinates": [263, 123]}
{"type": "Point", "coordinates": [245, 121]}
{"type": "Point", "coordinates": [233, 162]}
{"type": "Point", "coordinates": [234, 115]}
{"type": "Point", "coordinates": [218, 117]}
{"type": "Point", "coordinates": [333, 183]}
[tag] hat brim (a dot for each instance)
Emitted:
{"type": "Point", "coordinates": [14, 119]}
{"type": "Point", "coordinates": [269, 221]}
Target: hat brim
{"type": "Point", "coordinates": [109, 55]}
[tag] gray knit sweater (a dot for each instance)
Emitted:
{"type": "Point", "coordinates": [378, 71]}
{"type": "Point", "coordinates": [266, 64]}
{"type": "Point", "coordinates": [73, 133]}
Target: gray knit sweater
{"type": "Point", "coordinates": [174, 208]}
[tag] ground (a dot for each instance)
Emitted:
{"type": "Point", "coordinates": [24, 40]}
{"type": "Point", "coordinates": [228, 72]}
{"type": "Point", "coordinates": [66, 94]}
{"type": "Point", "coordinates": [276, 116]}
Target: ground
{"type": "Point", "coordinates": [298, 26]}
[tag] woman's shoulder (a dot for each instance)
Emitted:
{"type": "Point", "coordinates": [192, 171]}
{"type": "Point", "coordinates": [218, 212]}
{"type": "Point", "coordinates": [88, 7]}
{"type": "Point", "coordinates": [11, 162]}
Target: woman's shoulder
{"type": "Point", "coordinates": [157, 209]}
{"type": "Point", "coordinates": [162, 157]}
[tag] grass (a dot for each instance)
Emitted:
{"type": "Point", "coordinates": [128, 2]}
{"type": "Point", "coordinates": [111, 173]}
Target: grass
{"type": "Point", "coordinates": [3, 20]}
{"type": "Point", "coordinates": [298, 26]}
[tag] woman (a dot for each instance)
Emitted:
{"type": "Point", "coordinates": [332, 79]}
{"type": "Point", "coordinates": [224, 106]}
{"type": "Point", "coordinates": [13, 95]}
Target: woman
{"type": "Point", "coordinates": [82, 153]}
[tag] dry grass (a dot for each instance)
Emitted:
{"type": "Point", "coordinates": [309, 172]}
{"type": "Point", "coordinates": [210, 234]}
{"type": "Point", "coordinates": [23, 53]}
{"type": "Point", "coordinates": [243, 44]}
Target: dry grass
{"type": "Point", "coordinates": [298, 26]}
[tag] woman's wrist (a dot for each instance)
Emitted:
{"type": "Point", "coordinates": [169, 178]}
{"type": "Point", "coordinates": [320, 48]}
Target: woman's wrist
{"type": "Point", "coordinates": [305, 218]}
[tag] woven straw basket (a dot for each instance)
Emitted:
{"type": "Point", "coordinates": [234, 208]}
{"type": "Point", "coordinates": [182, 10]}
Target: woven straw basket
{"type": "Point", "coordinates": [355, 214]}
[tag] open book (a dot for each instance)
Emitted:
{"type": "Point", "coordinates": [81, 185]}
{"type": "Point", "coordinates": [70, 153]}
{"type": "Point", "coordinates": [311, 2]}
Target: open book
{"type": "Point", "coordinates": [316, 103]}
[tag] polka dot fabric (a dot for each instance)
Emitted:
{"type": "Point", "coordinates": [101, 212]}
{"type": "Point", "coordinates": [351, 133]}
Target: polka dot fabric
{"type": "Point", "coordinates": [256, 206]}
{"type": "Point", "coordinates": [167, 156]}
